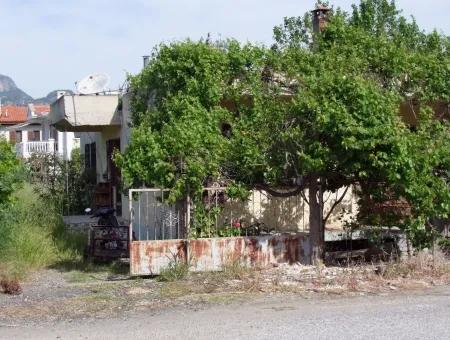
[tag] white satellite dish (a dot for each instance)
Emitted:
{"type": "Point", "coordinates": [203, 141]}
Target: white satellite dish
{"type": "Point", "coordinates": [93, 83]}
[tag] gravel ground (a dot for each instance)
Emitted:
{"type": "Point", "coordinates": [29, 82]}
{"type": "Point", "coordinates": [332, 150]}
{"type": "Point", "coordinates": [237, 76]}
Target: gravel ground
{"type": "Point", "coordinates": [53, 296]}
{"type": "Point", "coordinates": [418, 315]}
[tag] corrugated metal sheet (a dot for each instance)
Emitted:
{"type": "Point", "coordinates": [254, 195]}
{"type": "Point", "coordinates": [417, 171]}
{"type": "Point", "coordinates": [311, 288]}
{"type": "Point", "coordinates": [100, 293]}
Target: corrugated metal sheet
{"type": "Point", "coordinates": [210, 254]}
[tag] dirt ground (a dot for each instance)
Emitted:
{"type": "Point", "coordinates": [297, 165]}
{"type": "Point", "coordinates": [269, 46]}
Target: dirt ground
{"type": "Point", "coordinates": [52, 295]}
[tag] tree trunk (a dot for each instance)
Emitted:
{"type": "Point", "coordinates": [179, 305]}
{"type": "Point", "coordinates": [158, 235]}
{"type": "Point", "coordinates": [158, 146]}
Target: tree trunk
{"type": "Point", "coordinates": [316, 227]}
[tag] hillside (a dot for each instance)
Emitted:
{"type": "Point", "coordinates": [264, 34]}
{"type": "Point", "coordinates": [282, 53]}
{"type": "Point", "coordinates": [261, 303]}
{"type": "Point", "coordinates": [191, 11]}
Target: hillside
{"type": "Point", "coordinates": [11, 94]}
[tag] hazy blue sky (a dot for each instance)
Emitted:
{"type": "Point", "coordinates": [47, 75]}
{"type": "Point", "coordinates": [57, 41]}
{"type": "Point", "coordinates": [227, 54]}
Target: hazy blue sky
{"type": "Point", "coordinates": [49, 44]}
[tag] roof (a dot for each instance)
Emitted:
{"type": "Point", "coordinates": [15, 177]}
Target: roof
{"type": "Point", "coordinates": [11, 114]}
{"type": "Point", "coordinates": [39, 110]}
{"type": "Point", "coordinates": [30, 122]}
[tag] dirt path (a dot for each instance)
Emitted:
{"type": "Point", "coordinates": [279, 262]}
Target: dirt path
{"type": "Point", "coordinates": [53, 296]}
{"type": "Point", "coordinates": [417, 315]}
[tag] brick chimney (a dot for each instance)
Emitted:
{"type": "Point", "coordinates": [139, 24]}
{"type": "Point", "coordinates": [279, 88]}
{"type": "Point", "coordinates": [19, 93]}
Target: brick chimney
{"type": "Point", "coordinates": [320, 18]}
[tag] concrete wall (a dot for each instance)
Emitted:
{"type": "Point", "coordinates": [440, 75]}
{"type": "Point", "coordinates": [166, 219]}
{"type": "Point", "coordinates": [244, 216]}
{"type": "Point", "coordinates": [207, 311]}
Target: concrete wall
{"type": "Point", "coordinates": [212, 254]}
{"type": "Point", "coordinates": [81, 113]}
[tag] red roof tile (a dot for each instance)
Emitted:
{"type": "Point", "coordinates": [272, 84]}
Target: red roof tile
{"type": "Point", "coordinates": [41, 110]}
{"type": "Point", "coordinates": [10, 114]}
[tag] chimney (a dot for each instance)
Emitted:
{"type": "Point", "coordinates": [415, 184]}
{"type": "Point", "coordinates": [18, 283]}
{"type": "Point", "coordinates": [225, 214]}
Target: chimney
{"type": "Point", "coordinates": [60, 94]}
{"type": "Point", "coordinates": [146, 60]}
{"type": "Point", "coordinates": [320, 18]}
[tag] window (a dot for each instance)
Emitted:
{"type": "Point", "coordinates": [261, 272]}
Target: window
{"type": "Point", "coordinates": [18, 136]}
{"type": "Point", "coordinates": [12, 137]}
{"type": "Point", "coordinates": [90, 156]}
{"type": "Point", "coordinates": [34, 136]}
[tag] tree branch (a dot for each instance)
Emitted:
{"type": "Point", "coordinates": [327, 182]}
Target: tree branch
{"type": "Point", "coordinates": [282, 194]}
{"type": "Point", "coordinates": [302, 193]}
{"type": "Point", "coordinates": [335, 205]}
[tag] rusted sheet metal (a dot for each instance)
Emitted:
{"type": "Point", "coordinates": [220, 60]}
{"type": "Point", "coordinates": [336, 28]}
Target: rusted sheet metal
{"type": "Point", "coordinates": [258, 251]}
{"type": "Point", "coordinates": [149, 257]}
{"type": "Point", "coordinates": [211, 254]}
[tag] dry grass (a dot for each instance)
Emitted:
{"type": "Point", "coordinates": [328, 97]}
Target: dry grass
{"type": "Point", "coordinates": [11, 286]}
{"type": "Point", "coordinates": [422, 265]}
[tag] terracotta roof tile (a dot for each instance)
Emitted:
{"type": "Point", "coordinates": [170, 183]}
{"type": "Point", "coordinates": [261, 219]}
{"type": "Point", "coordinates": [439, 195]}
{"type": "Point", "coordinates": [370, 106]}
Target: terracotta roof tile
{"type": "Point", "coordinates": [41, 110]}
{"type": "Point", "coordinates": [13, 114]}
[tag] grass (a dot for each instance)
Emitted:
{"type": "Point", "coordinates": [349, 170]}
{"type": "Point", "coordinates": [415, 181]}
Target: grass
{"type": "Point", "coordinates": [176, 270]}
{"type": "Point", "coordinates": [235, 270]}
{"type": "Point", "coordinates": [33, 236]}
{"type": "Point", "coordinates": [423, 264]}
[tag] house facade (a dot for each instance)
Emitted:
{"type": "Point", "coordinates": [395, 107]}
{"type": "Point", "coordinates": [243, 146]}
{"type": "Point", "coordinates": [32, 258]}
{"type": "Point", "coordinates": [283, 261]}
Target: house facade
{"type": "Point", "coordinates": [33, 132]}
{"type": "Point", "coordinates": [10, 116]}
{"type": "Point", "coordinates": [100, 121]}
{"type": "Point", "coordinates": [103, 125]}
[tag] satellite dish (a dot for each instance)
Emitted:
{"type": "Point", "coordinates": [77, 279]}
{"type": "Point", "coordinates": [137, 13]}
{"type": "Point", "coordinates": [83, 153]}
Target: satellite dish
{"type": "Point", "coordinates": [93, 83]}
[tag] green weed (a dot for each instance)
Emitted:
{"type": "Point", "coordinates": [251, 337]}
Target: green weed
{"type": "Point", "coordinates": [175, 271]}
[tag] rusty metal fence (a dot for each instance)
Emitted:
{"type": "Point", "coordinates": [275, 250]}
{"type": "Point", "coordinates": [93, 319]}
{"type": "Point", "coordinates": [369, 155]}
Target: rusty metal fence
{"type": "Point", "coordinates": [214, 214]}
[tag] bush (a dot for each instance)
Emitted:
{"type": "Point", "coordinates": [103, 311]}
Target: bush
{"type": "Point", "coordinates": [65, 183]}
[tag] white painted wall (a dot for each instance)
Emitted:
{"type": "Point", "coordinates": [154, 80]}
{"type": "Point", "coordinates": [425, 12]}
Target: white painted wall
{"type": "Point", "coordinates": [4, 134]}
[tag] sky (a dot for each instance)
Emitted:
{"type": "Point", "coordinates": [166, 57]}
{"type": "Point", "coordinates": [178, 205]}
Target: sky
{"type": "Point", "coordinates": [50, 44]}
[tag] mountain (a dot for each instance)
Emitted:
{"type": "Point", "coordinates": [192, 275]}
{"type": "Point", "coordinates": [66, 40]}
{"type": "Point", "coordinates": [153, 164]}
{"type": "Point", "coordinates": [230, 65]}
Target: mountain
{"type": "Point", "coordinates": [50, 98]}
{"type": "Point", "coordinates": [11, 94]}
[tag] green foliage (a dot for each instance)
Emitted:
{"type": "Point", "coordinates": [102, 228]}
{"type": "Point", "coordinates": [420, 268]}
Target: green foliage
{"type": "Point", "coordinates": [177, 114]}
{"type": "Point", "coordinates": [65, 183]}
{"type": "Point", "coordinates": [314, 106]}
{"type": "Point", "coordinates": [32, 236]}
{"type": "Point", "coordinates": [176, 270]}
{"type": "Point", "coordinates": [11, 173]}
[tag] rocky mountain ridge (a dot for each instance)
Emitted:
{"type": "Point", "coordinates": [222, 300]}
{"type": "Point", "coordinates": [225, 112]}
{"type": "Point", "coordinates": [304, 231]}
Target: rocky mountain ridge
{"type": "Point", "coordinates": [12, 95]}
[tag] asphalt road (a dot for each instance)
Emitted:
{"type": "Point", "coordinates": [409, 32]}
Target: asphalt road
{"type": "Point", "coordinates": [416, 315]}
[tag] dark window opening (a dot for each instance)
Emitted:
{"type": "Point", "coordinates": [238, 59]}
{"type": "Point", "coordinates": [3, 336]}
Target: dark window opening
{"type": "Point", "coordinates": [19, 136]}
{"type": "Point", "coordinates": [34, 136]}
{"type": "Point", "coordinates": [90, 156]}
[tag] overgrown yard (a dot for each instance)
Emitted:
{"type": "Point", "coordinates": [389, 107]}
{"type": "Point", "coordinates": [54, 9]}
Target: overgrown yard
{"type": "Point", "coordinates": [33, 237]}
{"type": "Point", "coordinates": [105, 291]}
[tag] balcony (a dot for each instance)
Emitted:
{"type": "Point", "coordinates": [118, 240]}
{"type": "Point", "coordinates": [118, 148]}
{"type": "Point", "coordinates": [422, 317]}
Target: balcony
{"type": "Point", "coordinates": [84, 113]}
{"type": "Point", "coordinates": [26, 149]}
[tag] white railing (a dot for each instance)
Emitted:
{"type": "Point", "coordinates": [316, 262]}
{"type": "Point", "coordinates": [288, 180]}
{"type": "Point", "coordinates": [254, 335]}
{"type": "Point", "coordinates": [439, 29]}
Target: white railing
{"type": "Point", "coordinates": [26, 149]}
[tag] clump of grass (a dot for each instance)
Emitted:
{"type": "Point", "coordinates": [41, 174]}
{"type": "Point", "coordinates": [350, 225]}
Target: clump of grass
{"type": "Point", "coordinates": [423, 264]}
{"type": "Point", "coordinates": [235, 270]}
{"type": "Point", "coordinates": [176, 270]}
{"type": "Point", "coordinates": [33, 236]}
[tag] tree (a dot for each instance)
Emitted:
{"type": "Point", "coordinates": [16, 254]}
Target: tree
{"type": "Point", "coordinates": [316, 111]}
{"type": "Point", "coordinates": [10, 172]}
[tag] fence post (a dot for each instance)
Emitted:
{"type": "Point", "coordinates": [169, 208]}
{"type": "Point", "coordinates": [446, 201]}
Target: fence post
{"type": "Point", "coordinates": [188, 215]}
{"type": "Point", "coordinates": [51, 145]}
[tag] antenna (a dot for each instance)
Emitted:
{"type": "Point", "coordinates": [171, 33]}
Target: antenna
{"type": "Point", "coordinates": [93, 83]}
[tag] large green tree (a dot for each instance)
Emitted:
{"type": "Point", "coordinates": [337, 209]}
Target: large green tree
{"type": "Point", "coordinates": [318, 110]}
